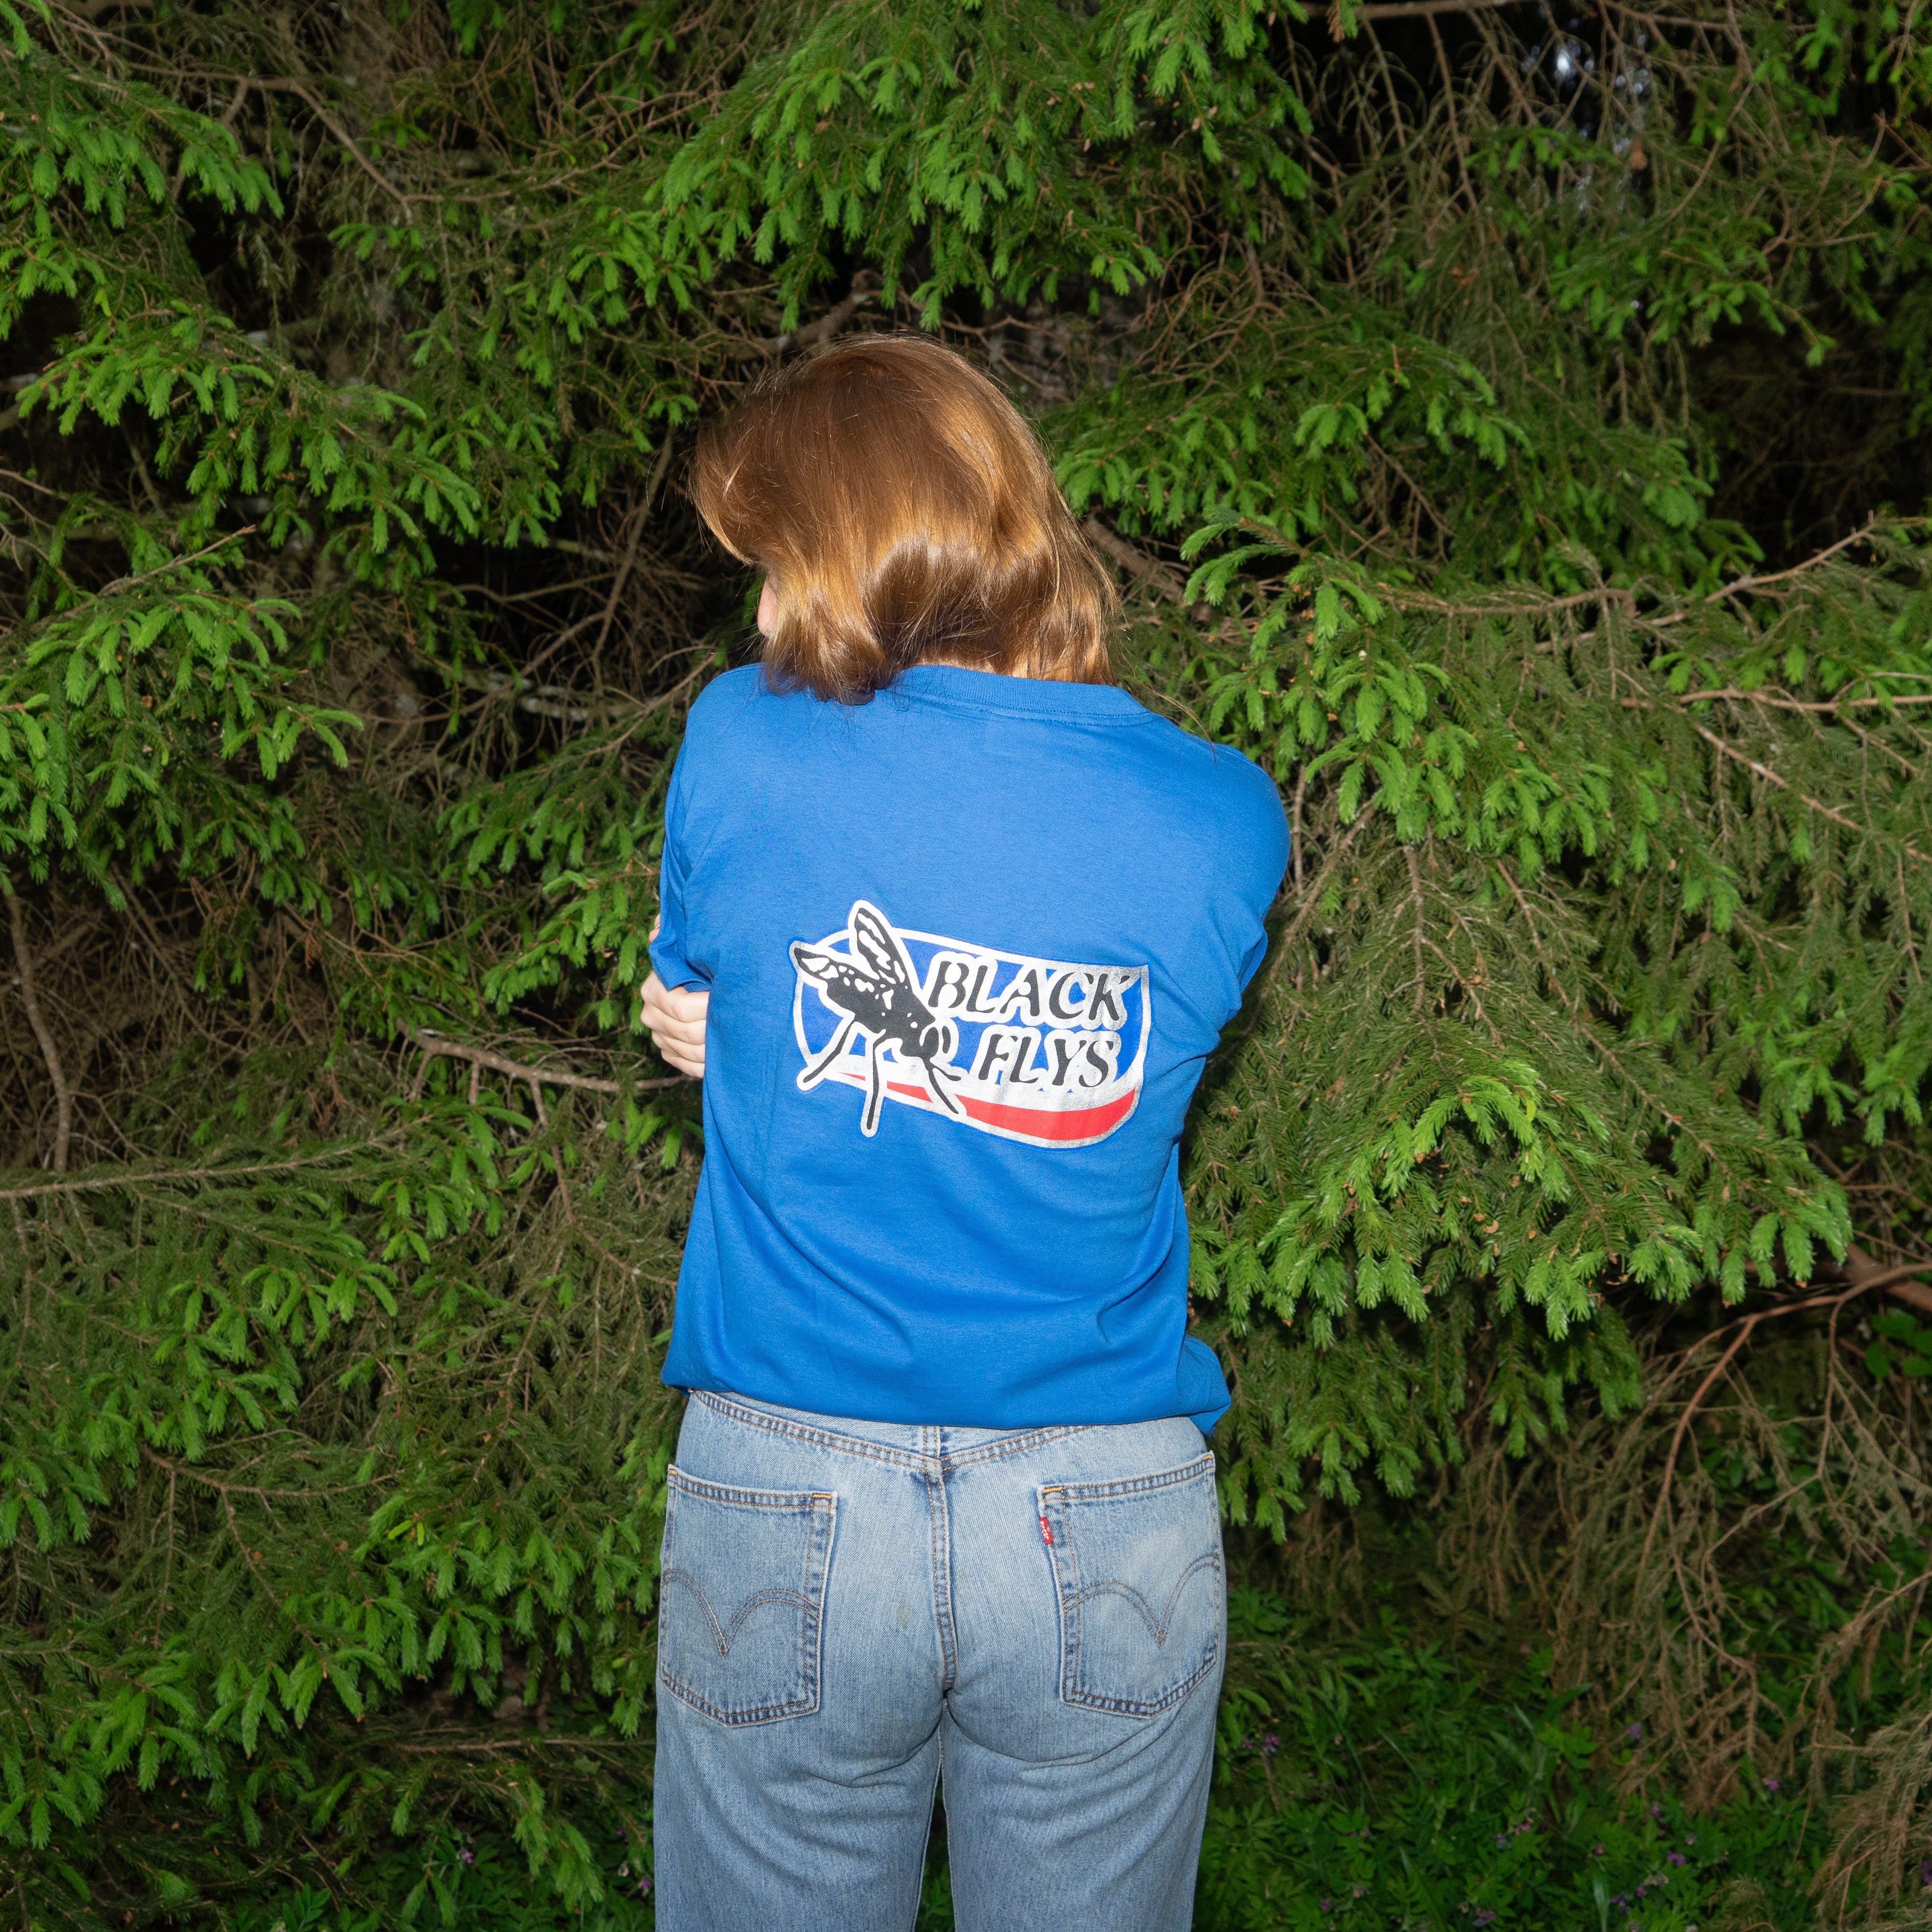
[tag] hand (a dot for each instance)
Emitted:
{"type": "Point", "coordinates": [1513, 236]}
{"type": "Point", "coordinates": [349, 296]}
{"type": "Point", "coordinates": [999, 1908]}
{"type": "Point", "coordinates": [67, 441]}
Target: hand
{"type": "Point", "coordinates": [676, 1020]}
{"type": "Point", "coordinates": [676, 1023]}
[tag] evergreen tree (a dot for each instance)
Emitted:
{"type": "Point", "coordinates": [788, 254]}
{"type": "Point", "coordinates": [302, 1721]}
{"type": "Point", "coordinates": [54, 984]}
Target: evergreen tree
{"type": "Point", "coordinates": [1507, 427]}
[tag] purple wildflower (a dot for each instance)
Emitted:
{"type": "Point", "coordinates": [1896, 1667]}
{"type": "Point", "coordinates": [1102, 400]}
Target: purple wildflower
{"type": "Point", "coordinates": [466, 1856]}
{"type": "Point", "coordinates": [1925, 1871]}
{"type": "Point", "coordinates": [1271, 1744]}
{"type": "Point", "coordinates": [1675, 1858]}
{"type": "Point", "coordinates": [1634, 1733]}
{"type": "Point", "coordinates": [643, 1888]}
{"type": "Point", "coordinates": [1486, 1917]}
{"type": "Point", "coordinates": [1771, 1784]}
{"type": "Point", "coordinates": [1599, 1852]}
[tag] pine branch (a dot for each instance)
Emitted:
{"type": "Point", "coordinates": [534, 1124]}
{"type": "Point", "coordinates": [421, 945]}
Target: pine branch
{"type": "Point", "coordinates": [1784, 785]}
{"type": "Point", "coordinates": [165, 1176]}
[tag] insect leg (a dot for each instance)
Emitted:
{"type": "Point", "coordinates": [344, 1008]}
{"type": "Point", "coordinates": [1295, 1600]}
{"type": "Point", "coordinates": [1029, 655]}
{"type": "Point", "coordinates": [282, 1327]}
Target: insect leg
{"type": "Point", "coordinates": [875, 1088]}
{"type": "Point", "coordinates": [936, 1085]}
{"type": "Point", "coordinates": [823, 1065]}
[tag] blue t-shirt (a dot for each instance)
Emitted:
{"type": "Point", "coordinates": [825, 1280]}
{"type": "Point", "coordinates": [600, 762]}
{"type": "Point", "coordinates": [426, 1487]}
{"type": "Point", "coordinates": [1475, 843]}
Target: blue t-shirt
{"type": "Point", "coordinates": [969, 946]}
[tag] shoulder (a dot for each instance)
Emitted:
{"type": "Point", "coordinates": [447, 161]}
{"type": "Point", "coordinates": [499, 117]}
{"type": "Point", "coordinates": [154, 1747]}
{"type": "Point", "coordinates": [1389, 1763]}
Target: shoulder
{"type": "Point", "coordinates": [1231, 780]}
{"type": "Point", "coordinates": [727, 703]}
{"type": "Point", "coordinates": [738, 722]}
{"type": "Point", "coordinates": [1242, 804]}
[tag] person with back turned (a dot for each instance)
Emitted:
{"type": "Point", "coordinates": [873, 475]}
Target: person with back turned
{"type": "Point", "coordinates": [949, 925]}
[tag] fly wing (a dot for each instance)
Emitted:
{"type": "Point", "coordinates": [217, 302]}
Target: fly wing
{"type": "Point", "coordinates": [815, 965]}
{"type": "Point", "coordinates": [874, 941]}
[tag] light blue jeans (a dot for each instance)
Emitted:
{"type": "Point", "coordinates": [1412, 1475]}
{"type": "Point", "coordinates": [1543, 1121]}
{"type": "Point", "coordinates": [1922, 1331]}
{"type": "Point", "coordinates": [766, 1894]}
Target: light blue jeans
{"type": "Point", "coordinates": [850, 1610]}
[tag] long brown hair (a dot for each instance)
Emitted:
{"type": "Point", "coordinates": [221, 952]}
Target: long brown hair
{"type": "Point", "coordinates": [905, 514]}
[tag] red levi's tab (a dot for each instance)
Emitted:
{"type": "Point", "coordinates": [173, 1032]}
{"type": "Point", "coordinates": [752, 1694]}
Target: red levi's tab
{"type": "Point", "coordinates": [1045, 1531]}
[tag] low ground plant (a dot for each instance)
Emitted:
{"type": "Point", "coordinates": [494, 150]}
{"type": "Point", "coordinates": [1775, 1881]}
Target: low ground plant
{"type": "Point", "coordinates": [1397, 1780]}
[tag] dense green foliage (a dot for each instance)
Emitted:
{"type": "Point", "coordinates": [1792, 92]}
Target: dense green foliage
{"type": "Point", "coordinates": [1508, 429]}
{"type": "Point", "coordinates": [1389, 1780]}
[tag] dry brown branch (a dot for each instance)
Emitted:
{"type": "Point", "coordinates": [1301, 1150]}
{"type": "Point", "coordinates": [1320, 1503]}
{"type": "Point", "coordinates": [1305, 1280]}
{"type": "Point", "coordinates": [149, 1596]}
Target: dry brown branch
{"type": "Point", "coordinates": [1863, 1284]}
{"type": "Point", "coordinates": [299, 87]}
{"type": "Point", "coordinates": [221, 542]}
{"type": "Point", "coordinates": [23, 958]}
{"type": "Point", "coordinates": [210, 1482]}
{"type": "Point", "coordinates": [171, 1177]}
{"type": "Point", "coordinates": [1779, 702]}
{"type": "Point", "coordinates": [1785, 785]}
{"type": "Point", "coordinates": [433, 1046]}
{"type": "Point", "coordinates": [1415, 900]}
{"type": "Point", "coordinates": [1166, 581]}
{"type": "Point", "coordinates": [1416, 10]}
{"type": "Point", "coordinates": [1310, 900]}
{"type": "Point", "coordinates": [1739, 584]}
{"type": "Point", "coordinates": [865, 288]}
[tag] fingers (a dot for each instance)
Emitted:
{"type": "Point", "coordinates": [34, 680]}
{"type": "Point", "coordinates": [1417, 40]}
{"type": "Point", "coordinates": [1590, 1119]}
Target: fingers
{"type": "Point", "coordinates": [678, 1016]}
{"type": "Point", "coordinates": [675, 1019]}
{"type": "Point", "coordinates": [686, 1005]}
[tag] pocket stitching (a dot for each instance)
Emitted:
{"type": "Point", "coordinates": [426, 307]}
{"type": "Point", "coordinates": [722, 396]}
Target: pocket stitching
{"type": "Point", "coordinates": [1134, 1485]}
{"type": "Point", "coordinates": [820, 1511]}
{"type": "Point", "coordinates": [1069, 1601]}
{"type": "Point", "coordinates": [1157, 1629]}
{"type": "Point", "coordinates": [721, 1636]}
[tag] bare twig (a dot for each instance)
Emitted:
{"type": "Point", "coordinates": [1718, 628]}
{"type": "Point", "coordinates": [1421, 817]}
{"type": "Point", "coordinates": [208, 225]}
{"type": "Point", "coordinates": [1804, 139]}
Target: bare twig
{"type": "Point", "coordinates": [299, 87]}
{"type": "Point", "coordinates": [221, 542]}
{"type": "Point", "coordinates": [1785, 785]}
{"type": "Point", "coordinates": [1160, 576]}
{"type": "Point", "coordinates": [637, 523]}
{"type": "Point", "coordinates": [63, 1094]}
{"type": "Point", "coordinates": [1132, 559]}
{"type": "Point", "coordinates": [208, 1481]}
{"type": "Point", "coordinates": [1864, 1283]}
{"type": "Point", "coordinates": [1415, 899]}
{"type": "Point", "coordinates": [437, 1048]}
{"type": "Point", "coordinates": [827, 324]}
{"type": "Point", "coordinates": [1417, 10]}
{"type": "Point", "coordinates": [167, 1176]}
{"type": "Point", "coordinates": [1779, 702]}
{"type": "Point", "coordinates": [1811, 562]}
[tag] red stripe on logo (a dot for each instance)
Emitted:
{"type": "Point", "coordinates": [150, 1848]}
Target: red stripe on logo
{"type": "Point", "coordinates": [1037, 1123]}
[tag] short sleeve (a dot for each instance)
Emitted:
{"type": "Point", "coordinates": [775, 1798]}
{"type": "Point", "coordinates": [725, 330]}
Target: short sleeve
{"type": "Point", "coordinates": [1253, 857]}
{"type": "Point", "coordinates": [668, 955]}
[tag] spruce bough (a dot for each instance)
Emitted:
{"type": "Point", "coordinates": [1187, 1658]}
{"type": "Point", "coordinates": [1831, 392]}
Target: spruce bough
{"type": "Point", "coordinates": [1504, 434]}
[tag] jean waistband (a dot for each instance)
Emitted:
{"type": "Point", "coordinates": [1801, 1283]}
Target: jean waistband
{"type": "Point", "coordinates": [915, 1441]}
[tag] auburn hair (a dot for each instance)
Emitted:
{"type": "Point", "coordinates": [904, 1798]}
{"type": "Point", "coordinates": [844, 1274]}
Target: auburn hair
{"type": "Point", "coordinates": [904, 514]}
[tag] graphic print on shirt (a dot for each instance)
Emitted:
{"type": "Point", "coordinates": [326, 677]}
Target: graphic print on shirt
{"type": "Point", "coordinates": [1032, 1050]}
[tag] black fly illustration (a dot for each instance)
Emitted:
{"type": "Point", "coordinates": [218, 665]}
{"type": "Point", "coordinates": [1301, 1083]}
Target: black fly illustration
{"type": "Point", "coordinates": [875, 991]}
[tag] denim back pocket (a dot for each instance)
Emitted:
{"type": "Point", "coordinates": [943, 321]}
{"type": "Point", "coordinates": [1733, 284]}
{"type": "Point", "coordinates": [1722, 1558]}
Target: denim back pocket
{"type": "Point", "coordinates": [741, 1604]}
{"type": "Point", "coordinates": [1142, 1601]}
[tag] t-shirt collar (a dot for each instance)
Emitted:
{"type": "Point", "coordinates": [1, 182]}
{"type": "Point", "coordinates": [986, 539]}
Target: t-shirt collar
{"type": "Point", "coordinates": [989, 693]}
